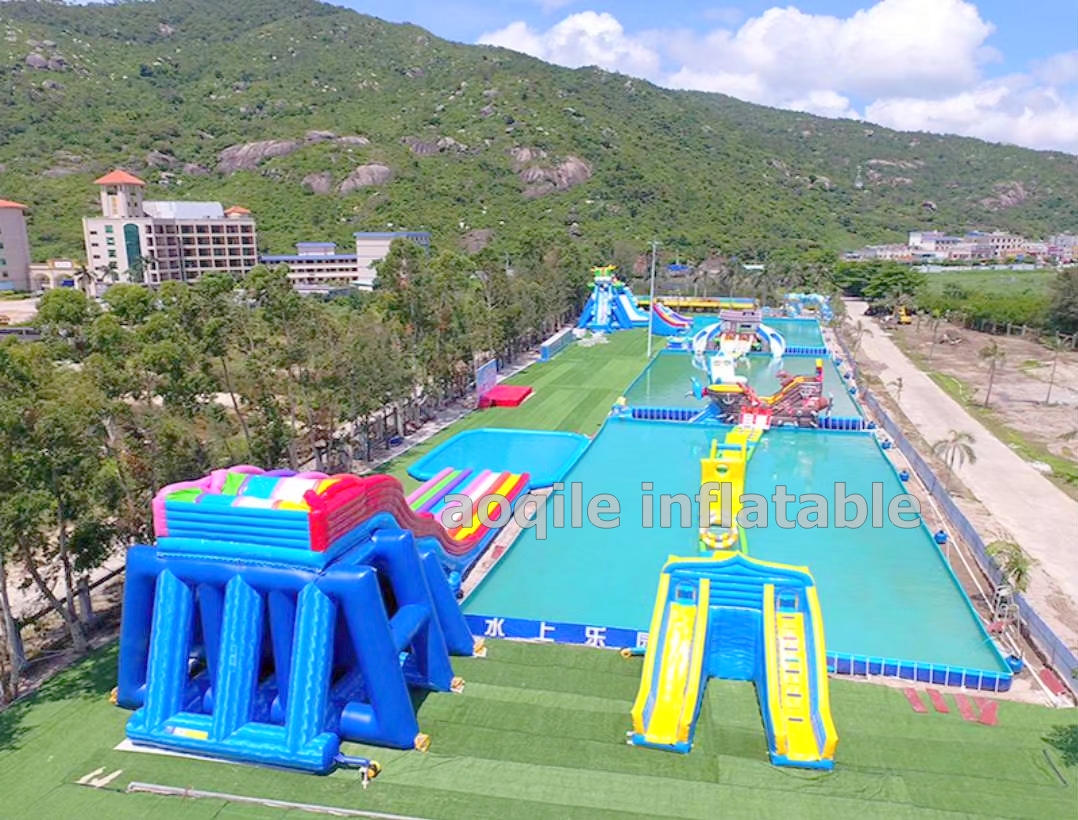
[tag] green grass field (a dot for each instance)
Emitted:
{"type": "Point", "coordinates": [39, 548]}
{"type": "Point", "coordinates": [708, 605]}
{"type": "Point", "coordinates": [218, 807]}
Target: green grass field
{"type": "Point", "coordinates": [1007, 282]}
{"type": "Point", "coordinates": [573, 392]}
{"type": "Point", "coordinates": [539, 733]}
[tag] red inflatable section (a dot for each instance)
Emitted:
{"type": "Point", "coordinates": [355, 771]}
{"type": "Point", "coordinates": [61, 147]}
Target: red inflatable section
{"type": "Point", "coordinates": [352, 500]}
{"type": "Point", "coordinates": [505, 395]}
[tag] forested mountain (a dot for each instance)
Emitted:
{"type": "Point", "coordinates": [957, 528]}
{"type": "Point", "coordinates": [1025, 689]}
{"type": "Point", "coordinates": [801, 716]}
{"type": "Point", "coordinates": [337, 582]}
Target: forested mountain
{"type": "Point", "coordinates": [324, 121]}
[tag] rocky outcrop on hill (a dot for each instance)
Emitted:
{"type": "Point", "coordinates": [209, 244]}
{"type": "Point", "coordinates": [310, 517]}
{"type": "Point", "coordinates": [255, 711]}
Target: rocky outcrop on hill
{"type": "Point", "coordinates": [249, 155]}
{"type": "Point", "coordinates": [474, 241]}
{"type": "Point", "coordinates": [374, 173]}
{"type": "Point", "coordinates": [1006, 195]}
{"type": "Point", "coordinates": [540, 178]}
{"type": "Point", "coordinates": [40, 62]}
{"type": "Point", "coordinates": [426, 148]}
{"type": "Point", "coordinates": [319, 183]}
{"type": "Point", "coordinates": [159, 159]}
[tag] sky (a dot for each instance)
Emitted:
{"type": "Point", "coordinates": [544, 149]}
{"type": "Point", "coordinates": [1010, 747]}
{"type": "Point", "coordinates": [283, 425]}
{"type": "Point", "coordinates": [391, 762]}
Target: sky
{"type": "Point", "coordinates": [1000, 70]}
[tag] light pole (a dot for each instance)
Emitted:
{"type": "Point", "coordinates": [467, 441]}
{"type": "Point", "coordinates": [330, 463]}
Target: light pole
{"type": "Point", "coordinates": [651, 295]}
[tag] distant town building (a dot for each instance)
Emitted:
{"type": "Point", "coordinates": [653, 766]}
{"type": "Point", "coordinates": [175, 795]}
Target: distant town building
{"type": "Point", "coordinates": [933, 247]}
{"type": "Point", "coordinates": [158, 241]}
{"type": "Point", "coordinates": [892, 253]}
{"type": "Point", "coordinates": [1005, 245]}
{"type": "Point", "coordinates": [14, 247]}
{"type": "Point", "coordinates": [373, 247]}
{"type": "Point", "coordinates": [54, 273]}
{"type": "Point", "coordinates": [317, 267]}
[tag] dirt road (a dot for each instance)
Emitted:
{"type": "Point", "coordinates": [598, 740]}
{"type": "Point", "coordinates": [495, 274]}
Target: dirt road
{"type": "Point", "coordinates": [1035, 513]}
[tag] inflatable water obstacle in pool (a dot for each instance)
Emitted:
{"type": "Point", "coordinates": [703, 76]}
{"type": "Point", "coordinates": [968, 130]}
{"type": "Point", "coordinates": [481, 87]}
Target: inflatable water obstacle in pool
{"type": "Point", "coordinates": [279, 614]}
{"type": "Point", "coordinates": [736, 618]}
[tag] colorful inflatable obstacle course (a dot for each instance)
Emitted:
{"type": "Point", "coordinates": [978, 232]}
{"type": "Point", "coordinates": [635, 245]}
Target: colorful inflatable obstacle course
{"type": "Point", "coordinates": [484, 488]}
{"type": "Point", "coordinates": [736, 334]}
{"type": "Point", "coordinates": [726, 465]}
{"type": "Point", "coordinates": [800, 401]}
{"type": "Point", "coordinates": [737, 618]}
{"type": "Point", "coordinates": [808, 305]}
{"type": "Point", "coordinates": [281, 614]}
{"type": "Point", "coordinates": [667, 322]}
{"type": "Point", "coordinates": [703, 304]}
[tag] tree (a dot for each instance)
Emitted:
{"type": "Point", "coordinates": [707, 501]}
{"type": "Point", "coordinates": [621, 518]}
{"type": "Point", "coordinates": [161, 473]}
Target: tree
{"type": "Point", "coordinates": [993, 354]}
{"type": "Point", "coordinates": [859, 330]}
{"type": "Point", "coordinates": [1063, 310]}
{"type": "Point", "coordinates": [131, 304]}
{"type": "Point", "coordinates": [897, 385]}
{"type": "Point", "coordinates": [956, 449]}
{"type": "Point", "coordinates": [1013, 562]}
{"type": "Point", "coordinates": [893, 284]}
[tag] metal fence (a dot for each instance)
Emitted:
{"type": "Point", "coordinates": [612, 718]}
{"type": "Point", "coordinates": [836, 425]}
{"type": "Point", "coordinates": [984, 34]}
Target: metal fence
{"type": "Point", "coordinates": [1070, 342]}
{"type": "Point", "coordinates": [1057, 653]}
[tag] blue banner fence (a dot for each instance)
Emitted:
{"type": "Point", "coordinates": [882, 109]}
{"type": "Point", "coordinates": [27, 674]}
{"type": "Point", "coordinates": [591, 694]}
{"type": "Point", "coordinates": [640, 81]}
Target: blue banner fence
{"type": "Point", "coordinates": [556, 344]}
{"type": "Point", "coordinates": [1058, 654]}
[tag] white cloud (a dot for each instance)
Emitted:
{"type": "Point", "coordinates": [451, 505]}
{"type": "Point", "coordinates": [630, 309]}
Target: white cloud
{"type": "Point", "coordinates": [1059, 69]}
{"type": "Point", "coordinates": [587, 38]}
{"type": "Point", "coordinates": [1010, 109]}
{"type": "Point", "coordinates": [911, 64]}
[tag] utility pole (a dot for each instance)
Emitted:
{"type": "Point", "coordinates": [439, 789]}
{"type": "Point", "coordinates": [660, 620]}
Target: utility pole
{"type": "Point", "coordinates": [651, 295]}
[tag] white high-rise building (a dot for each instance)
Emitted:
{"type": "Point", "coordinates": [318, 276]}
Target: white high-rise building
{"type": "Point", "coordinates": [14, 247]}
{"type": "Point", "coordinates": [137, 240]}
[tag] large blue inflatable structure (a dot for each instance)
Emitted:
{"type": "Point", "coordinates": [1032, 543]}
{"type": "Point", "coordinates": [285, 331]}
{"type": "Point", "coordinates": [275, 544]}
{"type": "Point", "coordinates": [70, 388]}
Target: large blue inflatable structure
{"type": "Point", "coordinates": [611, 305]}
{"type": "Point", "coordinates": [279, 615]}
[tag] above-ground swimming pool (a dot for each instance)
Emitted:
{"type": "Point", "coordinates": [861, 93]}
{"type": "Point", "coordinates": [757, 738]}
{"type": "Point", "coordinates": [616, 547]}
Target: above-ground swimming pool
{"type": "Point", "coordinates": [885, 592]}
{"type": "Point", "coordinates": [667, 381]}
{"type": "Point", "coordinates": [544, 454]}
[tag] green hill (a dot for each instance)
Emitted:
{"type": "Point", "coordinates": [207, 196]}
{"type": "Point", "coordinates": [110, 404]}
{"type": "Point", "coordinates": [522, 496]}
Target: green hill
{"type": "Point", "coordinates": [472, 142]}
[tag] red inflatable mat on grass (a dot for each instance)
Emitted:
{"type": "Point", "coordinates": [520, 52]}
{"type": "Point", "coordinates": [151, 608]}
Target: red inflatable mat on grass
{"type": "Point", "coordinates": [505, 395]}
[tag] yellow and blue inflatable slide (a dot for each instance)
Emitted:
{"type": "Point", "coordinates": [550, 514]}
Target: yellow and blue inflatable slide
{"type": "Point", "coordinates": [737, 618]}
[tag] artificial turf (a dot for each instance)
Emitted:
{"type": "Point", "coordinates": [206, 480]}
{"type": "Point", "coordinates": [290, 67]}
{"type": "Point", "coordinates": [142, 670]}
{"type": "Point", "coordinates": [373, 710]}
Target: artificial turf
{"type": "Point", "coordinates": [538, 733]}
{"type": "Point", "coordinates": [573, 392]}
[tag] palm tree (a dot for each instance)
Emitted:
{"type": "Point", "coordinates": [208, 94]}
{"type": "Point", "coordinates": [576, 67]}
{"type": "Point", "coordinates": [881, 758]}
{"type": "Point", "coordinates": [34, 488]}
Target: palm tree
{"type": "Point", "coordinates": [897, 385]}
{"type": "Point", "coordinates": [859, 330]}
{"type": "Point", "coordinates": [1013, 562]}
{"type": "Point", "coordinates": [956, 449]}
{"type": "Point", "coordinates": [994, 355]}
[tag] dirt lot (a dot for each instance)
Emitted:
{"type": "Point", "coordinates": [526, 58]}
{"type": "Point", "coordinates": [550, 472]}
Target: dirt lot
{"type": "Point", "coordinates": [1021, 381]}
{"type": "Point", "coordinates": [18, 310]}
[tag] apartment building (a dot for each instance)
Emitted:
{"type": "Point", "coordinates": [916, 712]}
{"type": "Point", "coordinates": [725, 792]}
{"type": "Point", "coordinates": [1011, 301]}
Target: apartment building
{"type": "Point", "coordinates": [14, 247]}
{"type": "Point", "coordinates": [138, 240]}
{"type": "Point", "coordinates": [316, 267]}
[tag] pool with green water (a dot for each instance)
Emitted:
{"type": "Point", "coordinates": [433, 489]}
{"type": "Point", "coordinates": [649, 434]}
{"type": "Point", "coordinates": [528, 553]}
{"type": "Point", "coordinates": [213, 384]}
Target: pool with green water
{"type": "Point", "coordinates": [667, 381]}
{"type": "Point", "coordinates": [884, 592]}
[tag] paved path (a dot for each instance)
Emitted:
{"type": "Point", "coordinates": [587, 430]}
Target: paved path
{"type": "Point", "coordinates": [1037, 514]}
